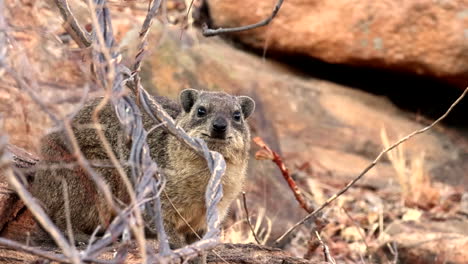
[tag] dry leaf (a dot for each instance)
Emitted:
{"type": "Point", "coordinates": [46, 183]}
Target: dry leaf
{"type": "Point", "coordinates": [412, 215]}
{"type": "Point", "coordinates": [352, 233]}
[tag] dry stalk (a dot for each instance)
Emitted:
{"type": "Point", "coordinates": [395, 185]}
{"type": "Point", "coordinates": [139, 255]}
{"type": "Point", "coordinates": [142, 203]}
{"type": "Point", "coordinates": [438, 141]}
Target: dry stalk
{"type": "Point", "coordinates": [33, 251]}
{"type": "Point", "coordinates": [248, 219]}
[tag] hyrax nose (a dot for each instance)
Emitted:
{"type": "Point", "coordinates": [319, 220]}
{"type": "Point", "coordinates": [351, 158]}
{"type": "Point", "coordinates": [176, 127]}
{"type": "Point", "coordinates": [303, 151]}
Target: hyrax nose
{"type": "Point", "coordinates": [219, 127]}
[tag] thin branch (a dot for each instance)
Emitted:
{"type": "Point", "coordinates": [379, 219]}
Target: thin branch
{"type": "Point", "coordinates": [142, 47]}
{"type": "Point", "coordinates": [370, 166]}
{"type": "Point", "coordinates": [39, 214]}
{"type": "Point", "coordinates": [66, 202]}
{"type": "Point", "coordinates": [81, 37]}
{"type": "Point", "coordinates": [33, 251]}
{"type": "Point", "coordinates": [97, 179]}
{"type": "Point", "coordinates": [92, 238]}
{"type": "Point", "coordinates": [248, 219]}
{"type": "Point", "coordinates": [138, 227]}
{"type": "Point", "coordinates": [207, 32]}
{"type": "Point", "coordinates": [393, 248]}
{"type": "Point", "coordinates": [42, 218]}
{"type": "Point", "coordinates": [188, 224]}
{"type": "Point", "coordinates": [45, 254]}
{"type": "Point", "coordinates": [107, 65]}
{"type": "Point", "coordinates": [326, 250]}
{"type": "Point", "coordinates": [359, 229]}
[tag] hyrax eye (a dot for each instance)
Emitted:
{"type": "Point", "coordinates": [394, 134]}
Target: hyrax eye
{"type": "Point", "coordinates": [236, 116]}
{"type": "Point", "coordinates": [201, 111]}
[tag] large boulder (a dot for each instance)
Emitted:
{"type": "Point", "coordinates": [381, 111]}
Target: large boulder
{"type": "Point", "coordinates": [422, 37]}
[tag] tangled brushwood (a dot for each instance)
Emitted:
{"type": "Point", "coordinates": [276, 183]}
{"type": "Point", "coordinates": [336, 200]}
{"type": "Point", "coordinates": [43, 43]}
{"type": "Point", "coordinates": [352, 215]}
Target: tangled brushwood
{"type": "Point", "coordinates": [142, 181]}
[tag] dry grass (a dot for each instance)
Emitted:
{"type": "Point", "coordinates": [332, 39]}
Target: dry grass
{"type": "Point", "coordinates": [412, 175]}
{"type": "Point", "coordinates": [239, 231]}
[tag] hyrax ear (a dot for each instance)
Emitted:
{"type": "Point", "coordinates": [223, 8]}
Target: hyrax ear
{"type": "Point", "coordinates": [188, 97]}
{"type": "Point", "coordinates": [247, 104]}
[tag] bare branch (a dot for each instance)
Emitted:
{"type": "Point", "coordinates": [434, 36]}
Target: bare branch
{"type": "Point", "coordinates": [81, 37]}
{"type": "Point", "coordinates": [105, 60]}
{"type": "Point", "coordinates": [142, 47]}
{"type": "Point", "coordinates": [34, 251]}
{"type": "Point", "coordinates": [149, 20]}
{"type": "Point", "coordinates": [45, 254]}
{"type": "Point", "coordinates": [267, 153]}
{"type": "Point", "coordinates": [326, 250]}
{"type": "Point", "coordinates": [370, 166]}
{"type": "Point", "coordinates": [207, 32]}
{"type": "Point", "coordinates": [42, 218]}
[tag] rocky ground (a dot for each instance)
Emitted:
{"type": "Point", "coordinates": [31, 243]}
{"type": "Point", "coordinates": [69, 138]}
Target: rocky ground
{"type": "Point", "coordinates": [412, 207]}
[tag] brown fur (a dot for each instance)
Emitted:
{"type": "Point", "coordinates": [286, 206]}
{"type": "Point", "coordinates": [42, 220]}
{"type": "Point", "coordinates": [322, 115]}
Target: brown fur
{"type": "Point", "coordinates": [187, 174]}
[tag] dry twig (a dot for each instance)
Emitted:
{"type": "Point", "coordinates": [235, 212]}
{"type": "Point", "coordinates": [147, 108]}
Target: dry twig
{"type": "Point", "coordinates": [208, 32]}
{"type": "Point", "coordinates": [248, 219]}
{"type": "Point", "coordinates": [267, 153]}
{"type": "Point", "coordinates": [326, 250]}
{"type": "Point", "coordinates": [72, 27]}
{"type": "Point", "coordinates": [358, 228]}
{"type": "Point", "coordinates": [40, 215]}
{"type": "Point", "coordinates": [34, 251]}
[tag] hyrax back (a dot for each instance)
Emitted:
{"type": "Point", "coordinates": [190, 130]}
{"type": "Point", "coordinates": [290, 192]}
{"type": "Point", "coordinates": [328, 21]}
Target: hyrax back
{"type": "Point", "coordinates": [218, 118]}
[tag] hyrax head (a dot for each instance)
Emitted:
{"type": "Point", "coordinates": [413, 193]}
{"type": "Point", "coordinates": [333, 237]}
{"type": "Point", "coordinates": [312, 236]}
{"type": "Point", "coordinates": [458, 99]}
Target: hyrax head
{"type": "Point", "coordinates": [216, 117]}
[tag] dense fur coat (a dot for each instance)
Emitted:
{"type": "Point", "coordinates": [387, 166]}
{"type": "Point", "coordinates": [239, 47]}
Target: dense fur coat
{"type": "Point", "coordinates": [216, 117]}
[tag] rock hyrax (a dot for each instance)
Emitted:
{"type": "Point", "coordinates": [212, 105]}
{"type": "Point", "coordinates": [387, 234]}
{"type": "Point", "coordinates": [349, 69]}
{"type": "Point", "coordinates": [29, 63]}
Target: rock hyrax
{"type": "Point", "coordinates": [216, 117]}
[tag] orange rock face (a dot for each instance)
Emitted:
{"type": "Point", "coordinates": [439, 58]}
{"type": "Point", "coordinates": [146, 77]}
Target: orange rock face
{"type": "Point", "coordinates": [421, 37]}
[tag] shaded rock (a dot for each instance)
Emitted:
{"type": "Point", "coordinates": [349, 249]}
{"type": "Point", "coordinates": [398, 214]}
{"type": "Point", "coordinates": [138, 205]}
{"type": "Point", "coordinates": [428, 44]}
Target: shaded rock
{"type": "Point", "coordinates": [420, 37]}
{"type": "Point", "coordinates": [15, 220]}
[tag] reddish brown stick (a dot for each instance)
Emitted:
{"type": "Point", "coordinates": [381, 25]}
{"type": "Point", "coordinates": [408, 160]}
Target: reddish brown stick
{"type": "Point", "coordinates": [267, 153]}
